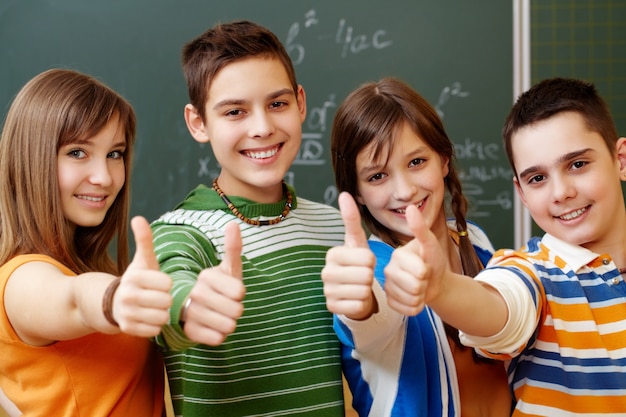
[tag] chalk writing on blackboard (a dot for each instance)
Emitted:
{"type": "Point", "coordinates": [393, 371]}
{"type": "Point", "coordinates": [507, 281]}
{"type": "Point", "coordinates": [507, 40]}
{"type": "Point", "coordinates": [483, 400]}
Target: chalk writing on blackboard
{"type": "Point", "coordinates": [454, 90]}
{"type": "Point", "coordinates": [312, 148]}
{"type": "Point", "coordinates": [478, 169]}
{"type": "Point", "coordinates": [204, 166]}
{"type": "Point", "coordinates": [355, 43]}
{"type": "Point", "coordinates": [350, 40]}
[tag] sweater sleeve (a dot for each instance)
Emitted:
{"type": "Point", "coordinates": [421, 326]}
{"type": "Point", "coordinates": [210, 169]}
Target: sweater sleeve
{"type": "Point", "coordinates": [373, 333]}
{"type": "Point", "coordinates": [183, 252]}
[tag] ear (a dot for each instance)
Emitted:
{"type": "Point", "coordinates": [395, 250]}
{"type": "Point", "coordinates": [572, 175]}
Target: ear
{"type": "Point", "coordinates": [195, 124]}
{"type": "Point", "coordinates": [519, 190]}
{"type": "Point", "coordinates": [359, 199]}
{"type": "Point", "coordinates": [301, 97]}
{"type": "Point", "coordinates": [620, 147]}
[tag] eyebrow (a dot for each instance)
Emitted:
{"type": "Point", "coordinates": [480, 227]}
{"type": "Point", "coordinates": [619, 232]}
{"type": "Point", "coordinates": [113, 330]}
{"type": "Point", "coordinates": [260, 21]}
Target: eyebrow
{"type": "Point", "coordinates": [370, 168]}
{"type": "Point", "coordinates": [238, 102]}
{"type": "Point", "coordinates": [567, 157]}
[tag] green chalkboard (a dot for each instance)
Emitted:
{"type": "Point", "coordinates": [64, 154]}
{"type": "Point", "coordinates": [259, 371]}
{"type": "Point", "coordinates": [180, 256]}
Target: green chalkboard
{"type": "Point", "coordinates": [457, 53]}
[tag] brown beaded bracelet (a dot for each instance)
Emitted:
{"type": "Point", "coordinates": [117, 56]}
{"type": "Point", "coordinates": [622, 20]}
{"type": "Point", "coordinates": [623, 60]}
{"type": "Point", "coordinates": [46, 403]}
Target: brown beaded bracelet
{"type": "Point", "coordinates": [107, 301]}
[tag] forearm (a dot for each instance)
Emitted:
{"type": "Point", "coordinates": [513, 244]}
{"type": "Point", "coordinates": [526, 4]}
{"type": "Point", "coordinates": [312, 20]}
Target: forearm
{"type": "Point", "coordinates": [44, 305]}
{"type": "Point", "coordinates": [470, 306]}
{"type": "Point", "coordinates": [523, 314]}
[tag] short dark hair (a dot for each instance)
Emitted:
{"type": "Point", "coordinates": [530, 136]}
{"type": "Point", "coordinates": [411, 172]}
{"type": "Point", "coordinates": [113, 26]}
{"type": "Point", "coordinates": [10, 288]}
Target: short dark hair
{"type": "Point", "coordinates": [223, 44]}
{"type": "Point", "coordinates": [557, 95]}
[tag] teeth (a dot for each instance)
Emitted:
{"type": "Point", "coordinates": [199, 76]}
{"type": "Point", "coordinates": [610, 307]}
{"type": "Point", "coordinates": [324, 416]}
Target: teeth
{"type": "Point", "coordinates": [88, 198]}
{"type": "Point", "coordinates": [403, 211]}
{"type": "Point", "coordinates": [262, 155]}
{"type": "Point", "coordinates": [573, 214]}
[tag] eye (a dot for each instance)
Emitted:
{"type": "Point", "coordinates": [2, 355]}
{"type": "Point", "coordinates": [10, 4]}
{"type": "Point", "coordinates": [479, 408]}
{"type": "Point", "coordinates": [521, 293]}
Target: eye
{"type": "Point", "coordinates": [119, 154]}
{"type": "Point", "coordinates": [77, 153]}
{"type": "Point", "coordinates": [376, 177]}
{"type": "Point", "coordinates": [278, 104]}
{"type": "Point", "coordinates": [578, 164]}
{"type": "Point", "coordinates": [416, 162]}
{"type": "Point", "coordinates": [234, 112]}
{"type": "Point", "coordinates": [536, 179]}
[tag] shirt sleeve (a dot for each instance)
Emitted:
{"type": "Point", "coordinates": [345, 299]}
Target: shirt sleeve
{"type": "Point", "coordinates": [183, 252]}
{"type": "Point", "coordinates": [522, 318]}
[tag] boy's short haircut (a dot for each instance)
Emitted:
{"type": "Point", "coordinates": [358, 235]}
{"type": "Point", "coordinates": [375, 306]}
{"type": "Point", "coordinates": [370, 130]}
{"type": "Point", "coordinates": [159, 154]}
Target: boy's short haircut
{"type": "Point", "coordinates": [223, 44]}
{"type": "Point", "coordinates": [556, 95]}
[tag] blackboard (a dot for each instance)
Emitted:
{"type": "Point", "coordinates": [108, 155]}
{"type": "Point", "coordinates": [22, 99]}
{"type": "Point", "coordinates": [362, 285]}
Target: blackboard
{"type": "Point", "coordinates": [458, 54]}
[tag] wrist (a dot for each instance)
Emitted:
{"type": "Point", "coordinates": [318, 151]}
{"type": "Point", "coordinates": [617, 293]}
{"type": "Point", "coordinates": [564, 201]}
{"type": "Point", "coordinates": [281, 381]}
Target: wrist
{"type": "Point", "coordinates": [182, 317]}
{"type": "Point", "coordinates": [107, 301]}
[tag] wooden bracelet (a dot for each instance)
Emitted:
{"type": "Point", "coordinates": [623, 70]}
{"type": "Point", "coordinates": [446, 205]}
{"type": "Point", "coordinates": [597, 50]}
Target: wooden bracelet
{"type": "Point", "coordinates": [107, 301]}
{"type": "Point", "coordinates": [182, 317]}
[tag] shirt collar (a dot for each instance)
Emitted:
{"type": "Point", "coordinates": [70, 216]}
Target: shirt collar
{"type": "Point", "coordinates": [575, 256]}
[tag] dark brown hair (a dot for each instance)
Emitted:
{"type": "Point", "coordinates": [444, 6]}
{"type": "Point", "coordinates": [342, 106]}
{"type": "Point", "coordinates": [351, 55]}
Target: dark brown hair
{"type": "Point", "coordinates": [556, 95]}
{"type": "Point", "coordinates": [372, 114]}
{"type": "Point", "coordinates": [223, 44]}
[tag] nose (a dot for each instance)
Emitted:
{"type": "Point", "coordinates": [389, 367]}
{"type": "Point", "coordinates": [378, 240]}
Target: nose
{"type": "Point", "coordinates": [101, 172]}
{"type": "Point", "coordinates": [261, 124]}
{"type": "Point", "coordinates": [562, 188]}
{"type": "Point", "coordinates": [404, 189]}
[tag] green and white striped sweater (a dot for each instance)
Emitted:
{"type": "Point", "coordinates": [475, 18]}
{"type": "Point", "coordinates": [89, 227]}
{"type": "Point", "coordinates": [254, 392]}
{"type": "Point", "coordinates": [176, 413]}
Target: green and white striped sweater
{"type": "Point", "coordinates": [284, 357]}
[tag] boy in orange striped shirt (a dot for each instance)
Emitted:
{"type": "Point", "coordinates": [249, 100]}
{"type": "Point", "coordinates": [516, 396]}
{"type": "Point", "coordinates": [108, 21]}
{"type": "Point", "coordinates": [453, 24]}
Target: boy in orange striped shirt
{"type": "Point", "coordinates": [553, 310]}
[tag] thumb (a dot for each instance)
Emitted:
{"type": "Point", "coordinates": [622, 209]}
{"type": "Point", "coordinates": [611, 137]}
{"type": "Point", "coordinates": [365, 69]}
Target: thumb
{"type": "Point", "coordinates": [144, 248]}
{"type": "Point", "coordinates": [417, 226]}
{"type": "Point", "coordinates": [231, 263]}
{"type": "Point", "coordinates": [355, 235]}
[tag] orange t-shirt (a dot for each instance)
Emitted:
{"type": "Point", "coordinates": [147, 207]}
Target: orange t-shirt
{"type": "Point", "coordinates": [95, 375]}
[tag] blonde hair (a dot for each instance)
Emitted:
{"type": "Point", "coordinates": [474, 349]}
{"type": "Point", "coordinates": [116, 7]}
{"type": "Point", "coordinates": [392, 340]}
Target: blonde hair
{"type": "Point", "coordinates": [56, 107]}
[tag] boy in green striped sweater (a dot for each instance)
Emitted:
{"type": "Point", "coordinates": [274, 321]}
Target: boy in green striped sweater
{"type": "Point", "coordinates": [249, 332]}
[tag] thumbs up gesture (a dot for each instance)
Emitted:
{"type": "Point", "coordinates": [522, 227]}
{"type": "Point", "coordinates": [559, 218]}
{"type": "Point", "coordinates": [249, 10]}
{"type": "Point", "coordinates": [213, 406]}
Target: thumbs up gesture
{"type": "Point", "coordinates": [217, 298]}
{"type": "Point", "coordinates": [414, 273]}
{"type": "Point", "coordinates": [142, 300]}
{"type": "Point", "coordinates": [349, 271]}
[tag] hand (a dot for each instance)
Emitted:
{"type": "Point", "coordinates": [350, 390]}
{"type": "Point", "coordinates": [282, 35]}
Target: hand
{"type": "Point", "coordinates": [349, 271]}
{"type": "Point", "coordinates": [217, 297]}
{"type": "Point", "coordinates": [142, 301]}
{"type": "Point", "coordinates": [415, 271]}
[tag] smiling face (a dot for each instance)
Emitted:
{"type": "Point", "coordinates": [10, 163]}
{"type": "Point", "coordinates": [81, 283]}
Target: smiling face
{"type": "Point", "coordinates": [253, 120]}
{"type": "Point", "coordinates": [91, 174]}
{"type": "Point", "coordinates": [411, 174]}
{"type": "Point", "coordinates": [569, 181]}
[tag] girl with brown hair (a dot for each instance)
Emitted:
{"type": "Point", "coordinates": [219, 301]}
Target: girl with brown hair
{"type": "Point", "coordinates": [390, 150]}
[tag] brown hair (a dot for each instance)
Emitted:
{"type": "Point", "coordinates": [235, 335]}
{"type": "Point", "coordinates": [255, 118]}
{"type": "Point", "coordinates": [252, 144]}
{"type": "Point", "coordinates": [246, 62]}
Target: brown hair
{"type": "Point", "coordinates": [556, 95]}
{"type": "Point", "coordinates": [372, 114]}
{"type": "Point", "coordinates": [223, 44]}
{"type": "Point", "coordinates": [57, 107]}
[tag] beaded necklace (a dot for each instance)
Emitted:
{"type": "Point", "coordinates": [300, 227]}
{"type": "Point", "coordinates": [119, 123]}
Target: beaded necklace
{"type": "Point", "coordinates": [253, 222]}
